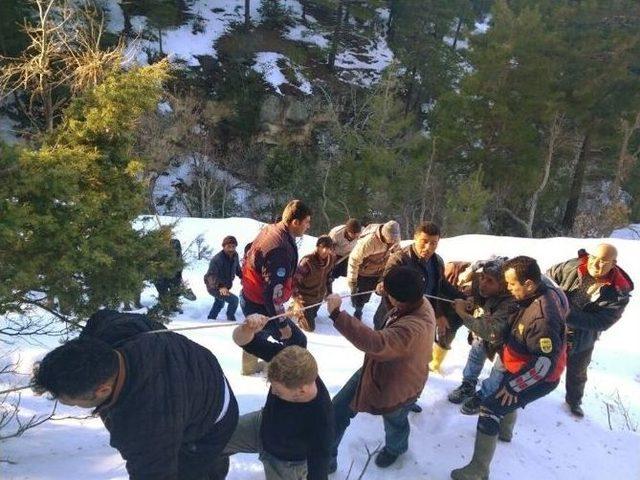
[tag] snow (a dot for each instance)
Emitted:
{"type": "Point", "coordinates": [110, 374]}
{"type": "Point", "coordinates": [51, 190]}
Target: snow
{"type": "Point", "coordinates": [114, 17]}
{"type": "Point", "coordinates": [266, 64]}
{"type": "Point", "coordinates": [300, 33]}
{"type": "Point", "coordinates": [548, 442]}
{"type": "Point", "coordinates": [630, 232]}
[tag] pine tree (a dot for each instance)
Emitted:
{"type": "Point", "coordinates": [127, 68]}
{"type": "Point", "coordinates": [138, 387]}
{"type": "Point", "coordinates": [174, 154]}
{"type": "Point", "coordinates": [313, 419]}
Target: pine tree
{"type": "Point", "coordinates": [69, 243]}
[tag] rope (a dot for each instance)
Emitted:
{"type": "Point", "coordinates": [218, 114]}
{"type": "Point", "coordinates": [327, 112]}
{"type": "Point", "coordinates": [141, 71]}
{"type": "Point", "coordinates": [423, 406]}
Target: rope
{"type": "Point", "coordinates": [228, 324]}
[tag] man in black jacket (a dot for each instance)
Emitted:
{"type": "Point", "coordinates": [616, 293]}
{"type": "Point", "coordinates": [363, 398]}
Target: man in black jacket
{"type": "Point", "coordinates": [163, 398]}
{"type": "Point", "coordinates": [421, 256]}
{"type": "Point", "coordinates": [293, 432]}
{"type": "Point", "coordinates": [223, 269]}
{"type": "Point", "coordinates": [598, 291]}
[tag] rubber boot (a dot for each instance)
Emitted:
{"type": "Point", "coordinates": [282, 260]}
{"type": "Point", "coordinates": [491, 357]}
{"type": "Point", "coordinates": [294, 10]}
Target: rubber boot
{"type": "Point", "coordinates": [478, 468]}
{"type": "Point", "coordinates": [249, 364]}
{"type": "Point", "coordinates": [437, 357]}
{"type": "Point", "coordinates": [506, 426]}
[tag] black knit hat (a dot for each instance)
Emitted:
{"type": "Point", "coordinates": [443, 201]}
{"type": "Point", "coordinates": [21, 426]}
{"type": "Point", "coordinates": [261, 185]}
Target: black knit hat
{"type": "Point", "coordinates": [229, 239]}
{"type": "Point", "coordinates": [404, 284]}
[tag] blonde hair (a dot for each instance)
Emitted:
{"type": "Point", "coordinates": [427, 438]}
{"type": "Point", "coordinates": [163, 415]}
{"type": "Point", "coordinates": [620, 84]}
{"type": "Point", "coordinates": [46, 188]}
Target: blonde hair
{"type": "Point", "coordinates": [293, 367]}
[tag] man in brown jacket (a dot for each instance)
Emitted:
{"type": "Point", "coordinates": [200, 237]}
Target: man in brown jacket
{"type": "Point", "coordinates": [393, 374]}
{"type": "Point", "coordinates": [368, 259]}
{"type": "Point", "coordinates": [311, 280]}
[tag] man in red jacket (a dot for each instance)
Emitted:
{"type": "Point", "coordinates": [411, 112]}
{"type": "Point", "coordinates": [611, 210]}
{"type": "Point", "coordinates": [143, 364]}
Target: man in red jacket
{"type": "Point", "coordinates": [267, 275]}
{"type": "Point", "coordinates": [534, 356]}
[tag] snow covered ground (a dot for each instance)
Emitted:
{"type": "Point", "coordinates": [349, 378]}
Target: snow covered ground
{"type": "Point", "coordinates": [548, 442]}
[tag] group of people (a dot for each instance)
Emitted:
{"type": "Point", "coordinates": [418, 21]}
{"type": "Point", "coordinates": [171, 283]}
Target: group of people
{"type": "Point", "coordinates": [172, 413]}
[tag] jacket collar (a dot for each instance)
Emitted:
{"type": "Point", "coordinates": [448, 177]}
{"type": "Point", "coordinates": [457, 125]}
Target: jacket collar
{"type": "Point", "coordinates": [117, 390]}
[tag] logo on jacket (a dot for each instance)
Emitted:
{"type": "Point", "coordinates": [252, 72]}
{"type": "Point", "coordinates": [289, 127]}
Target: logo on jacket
{"type": "Point", "coordinates": [546, 345]}
{"type": "Point", "coordinates": [281, 272]}
{"type": "Point", "coordinates": [520, 329]}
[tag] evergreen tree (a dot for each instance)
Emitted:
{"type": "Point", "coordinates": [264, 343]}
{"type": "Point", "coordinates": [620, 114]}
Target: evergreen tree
{"type": "Point", "coordinates": [68, 243]}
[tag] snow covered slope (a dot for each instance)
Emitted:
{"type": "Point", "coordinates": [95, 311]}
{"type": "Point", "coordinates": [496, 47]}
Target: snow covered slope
{"type": "Point", "coordinates": [548, 442]}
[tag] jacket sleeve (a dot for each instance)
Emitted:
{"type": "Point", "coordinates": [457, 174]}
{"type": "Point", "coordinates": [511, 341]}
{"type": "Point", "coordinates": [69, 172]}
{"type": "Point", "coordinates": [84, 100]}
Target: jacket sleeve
{"type": "Point", "coordinates": [304, 267]}
{"type": "Point", "coordinates": [356, 257]}
{"type": "Point", "coordinates": [238, 268]}
{"type": "Point", "coordinates": [394, 341]}
{"type": "Point", "coordinates": [492, 327]}
{"type": "Point", "coordinates": [556, 272]}
{"type": "Point", "coordinates": [394, 260]}
{"type": "Point", "coordinates": [545, 347]}
{"type": "Point", "coordinates": [211, 277]}
{"type": "Point", "coordinates": [598, 317]}
{"type": "Point", "coordinates": [276, 270]}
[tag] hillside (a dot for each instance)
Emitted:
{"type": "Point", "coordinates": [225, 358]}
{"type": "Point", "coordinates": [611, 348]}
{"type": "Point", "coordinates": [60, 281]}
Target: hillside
{"type": "Point", "coordinates": [548, 442]}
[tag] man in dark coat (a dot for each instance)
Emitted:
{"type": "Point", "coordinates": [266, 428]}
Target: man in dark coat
{"type": "Point", "coordinates": [598, 291]}
{"type": "Point", "coordinates": [534, 356]}
{"type": "Point", "coordinates": [163, 398]}
{"type": "Point", "coordinates": [267, 275]}
{"type": "Point", "coordinates": [223, 268]}
{"type": "Point", "coordinates": [421, 256]}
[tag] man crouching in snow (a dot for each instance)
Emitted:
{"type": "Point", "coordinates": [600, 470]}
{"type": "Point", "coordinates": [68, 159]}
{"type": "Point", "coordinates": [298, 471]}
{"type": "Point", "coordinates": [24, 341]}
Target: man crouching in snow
{"type": "Point", "coordinates": [394, 371]}
{"type": "Point", "coordinates": [163, 398]}
{"type": "Point", "coordinates": [294, 430]}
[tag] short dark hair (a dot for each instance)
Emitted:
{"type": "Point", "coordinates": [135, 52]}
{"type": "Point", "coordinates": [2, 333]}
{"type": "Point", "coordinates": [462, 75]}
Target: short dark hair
{"type": "Point", "coordinates": [525, 268]}
{"type": "Point", "coordinates": [429, 228]}
{"type": "Point", "coordinates": [229, 240]}
{"type": "Point", "coordinates": [324, 241]}
{"type": "Point", "coordinates": [295, 210]}
{"type": "Point", "coordinates": [405, 284]}
{"type": "Point", "coordinates": [76, 368]}
{"type": "Point", "coordinates": [353, 225]}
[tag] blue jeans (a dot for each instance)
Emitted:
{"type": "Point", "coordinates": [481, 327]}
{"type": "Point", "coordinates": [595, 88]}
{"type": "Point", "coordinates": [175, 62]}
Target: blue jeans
{"type": "Point", "coordinates": [396, 424]}
{"type": "Point", "coordinates": [231, 299]}
{"type": "Point", "coordinates": [475, 362]}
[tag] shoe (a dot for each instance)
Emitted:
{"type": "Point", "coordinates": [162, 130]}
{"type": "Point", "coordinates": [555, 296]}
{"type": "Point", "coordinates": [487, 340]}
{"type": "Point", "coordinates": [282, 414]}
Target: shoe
{"type": "Point", "coordinates": [385, 458]}
{"type": "Point", "coordinates": [189, 295]}
{"type": "Point", "coordinates": [415, 408]}
{"type": "Point", "coordinates": [471, 406]}
{"type": "Point", "coordinates": [209, 317]}
{"type": "Point", "coordinates": [465, 390]}
{"type": "Point", "coordinates": [576, 410]}
{"type": "Point", "coordinates": [478, 468]}
{"type": "Point", "coordinates": [437, 356]}
{"type": "Point", "coordinates": [231, 318]}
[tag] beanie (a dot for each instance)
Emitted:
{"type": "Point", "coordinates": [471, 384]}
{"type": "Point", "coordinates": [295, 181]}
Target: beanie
{"type": "Point", "coordinates": [404, 284]}
{"type": "Point", "coordinates": [391, 232]}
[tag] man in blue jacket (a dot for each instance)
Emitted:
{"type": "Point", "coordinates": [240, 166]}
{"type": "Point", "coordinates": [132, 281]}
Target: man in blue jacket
{"type": "Point", "coordinates": [223, 269]}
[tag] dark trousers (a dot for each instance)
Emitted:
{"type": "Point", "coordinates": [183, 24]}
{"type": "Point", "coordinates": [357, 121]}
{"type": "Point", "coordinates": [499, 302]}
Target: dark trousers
{"type": "Point", "coordinates": [231, 299]}
{"type": "Point", "coordinates": [364, 284]}
{"type": "Point", "coordinates": [491, 411]}
{"type": "Point", "coordinates": [396, 424]}
{"type": "Point", "coordinates": [340, 270]}
{"type": "Point", "coordinates": [576, 376]}
{"type": "Point", "coordinates": [310, 315]}
{"type": "Point", "coordinates": [272, 329]}
{"type": "Point", "coordinates": [204, 459]}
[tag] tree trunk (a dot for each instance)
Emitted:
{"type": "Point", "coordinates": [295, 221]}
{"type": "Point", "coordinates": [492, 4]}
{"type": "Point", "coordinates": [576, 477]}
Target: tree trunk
{"type": "Point", "coordinates": [455, 39]}
{"type": "Point", "coordinates": [407, 102]}
{"type": "Point", "coordinates": [160, 41]}
{"type": "Point", "coordinates": [247, 13]}
{"type": "Point", "coordinates": [576, 186]}
{"type": "Point", "coordinates": [335, 38]}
